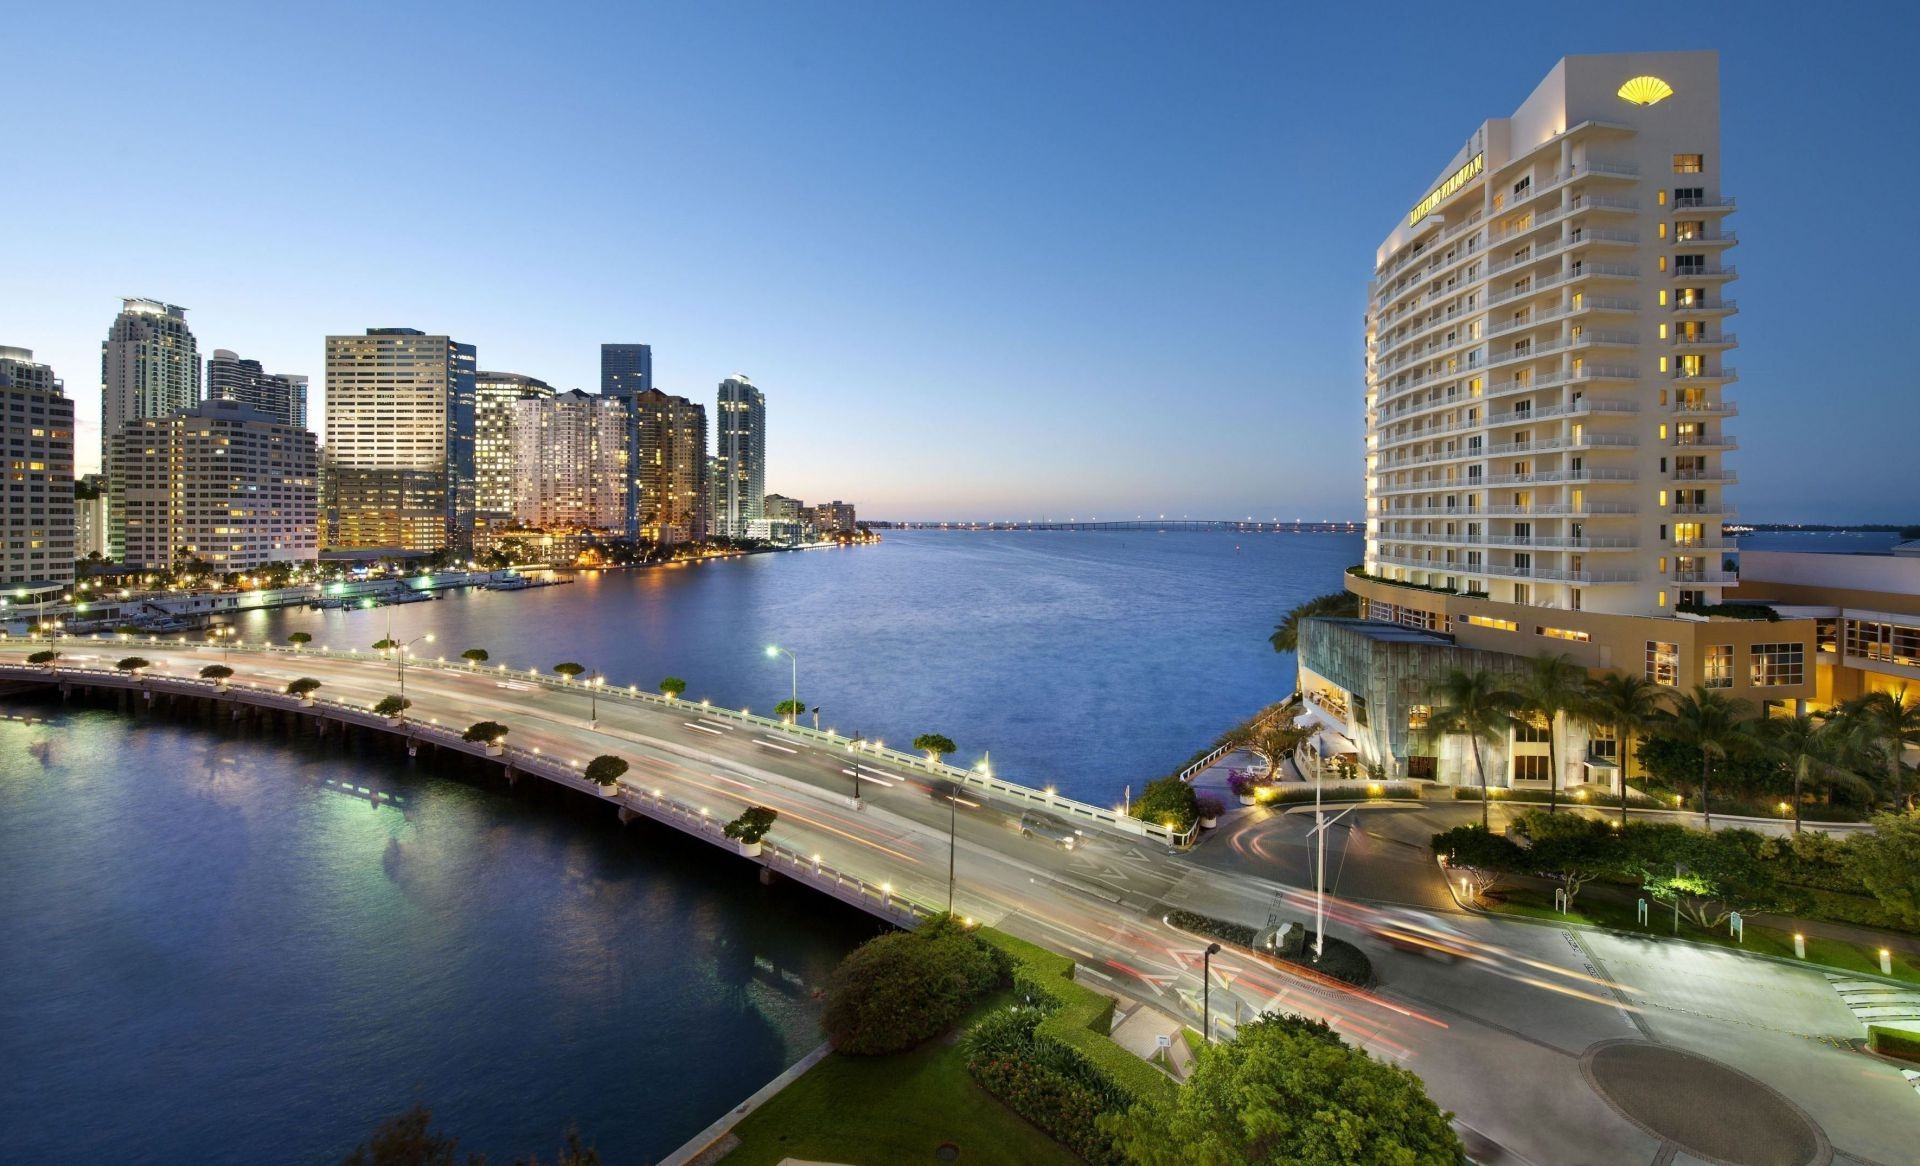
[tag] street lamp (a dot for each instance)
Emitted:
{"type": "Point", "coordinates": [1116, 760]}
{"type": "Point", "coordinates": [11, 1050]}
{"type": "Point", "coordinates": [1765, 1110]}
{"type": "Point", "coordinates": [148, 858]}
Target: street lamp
{"type": "Point", "coordinates": [224, 633]}
{"type": "Point", "coordinates": [1206, 992]}
{"type": "Point", "coordinates": [400, 658]}
{"type": "Point", "coordinates": [952, 794]}
{"type": "Point", "coordinates": [775, 651]}
{"type": "Point", "coordinates": [1320, 824]}
{"type": "Point", "coordinates": [593, 700]}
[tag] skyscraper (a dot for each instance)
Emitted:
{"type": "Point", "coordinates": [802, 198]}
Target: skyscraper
{"type": "Point", "coordinates": [669, 469]}
{"type": "Point", "coordinates": [149, 367]}
{"type": "Point", "coordinates": [400, 432]}
{"type": "Point", "coordinates": [281, 396]}
{"type": "Point", "coordinates": [222, 483]}
{"type": "Point", "coordinates": [740, 454]}
{"type": "Point", "coordinates": [36, 430]}
{"type": "Point", "coordinates": [570, 461]}
{"type": "Point", "coordinates": [494, 395]}
{"type": "Point", "coordinates": [625, 369]}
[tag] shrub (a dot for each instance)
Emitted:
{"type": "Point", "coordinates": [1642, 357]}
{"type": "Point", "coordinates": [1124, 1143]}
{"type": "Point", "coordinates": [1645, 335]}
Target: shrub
{"type": "Point", "coordinates": [133, 663]}
{"type": "Point", "coordinates": [1169, 802]}
{"type": "Point", "coordinates": [1209, 807]}
{"type": "Point", "coordinates": [302, 686]}
{"type": "Point", "coordinates": [392, 706]}
{"type": "Point", "coordinates": [672, 687]}
{"type": "Point", "coordinates": [475, 656]}
{"type": "Point", "coordinates": [1076, 1017]}
{"type": "Point", "coordinates": [1244, 784]}
{"type": "Point", "coordinates": [752, 824]}
{"type": "Point", "coordinates": [1338, 959]}
{"type": "Point", "coordinates": [895, 991]}
{"type": "Point", "coordinates": [489, 732]}
{"type": "Point", "coordinates": [605, 769]}
{"type": "Point", "coordinates": [569, 669]}
{"type": "Point", "coordinates": [1193, 921]}
{"type": "Point", "coordinates": [298, 639]}
{"type": "Point", "coordinates": [1484, 857]}
{"type": "Point", "coordinates": [215, 672]}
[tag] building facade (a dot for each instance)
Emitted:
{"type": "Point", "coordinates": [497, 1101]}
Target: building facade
{"type": "Point", "coordinates": [493, 398]}
{"type": "Point", "coordinates": [625, 369]}
{"type": "Point", "coordinates": [281, 396]}
{"type": "Point", "coordinates": [570, 462]}
{"type": "Point", "coordinates": [223, 483]}
{"type": "Point", "coordinates": [669, 444]}
{"type": "Point", "coordinates": [400, 440]}
{"type": "Point", "coordinates": [835, 517]}
{"type": "Point", "coordinates": [36, 433]}
{"type": "Point", "coordinates": [90, 516]}
{"type": "Point", "coordinates": [149, 367]}
{"type": "Point", "coordinates": [740, 457]}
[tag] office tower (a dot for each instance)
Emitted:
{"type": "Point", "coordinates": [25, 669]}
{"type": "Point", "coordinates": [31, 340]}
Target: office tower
{"type": "Point", "coordinates": [494, 394]}
{"type": "Point", "coordinates": [669, 468]}
{"type": "Point", "coordinates": [1545, 346]}
{"type": "Point", "coordinates": [36, 431]}
{"type": "Point", "coordinates": [149, 367]}
{"type": "Point", "coordinates": [740, 451]}
{"type": "Point", "coordinates": [223, 483]}
{"type": "Point", "coordinates": [90, 516]}
{"type": "Point", "coordinates": [625, 369]}
{"type": "Point", "coordinates": [570, 462]}
{"type": "Point", "coordinates": [399, 431]}
{"type": "Point", "coordinates": [281, 396]}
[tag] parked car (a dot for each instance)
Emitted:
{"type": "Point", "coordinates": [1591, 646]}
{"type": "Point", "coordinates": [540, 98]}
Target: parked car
{"type": "Point", "coordinates": [1034, 824]}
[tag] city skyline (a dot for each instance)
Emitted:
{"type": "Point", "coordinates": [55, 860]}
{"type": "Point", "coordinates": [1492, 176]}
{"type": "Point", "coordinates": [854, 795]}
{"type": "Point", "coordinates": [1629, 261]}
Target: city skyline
{"type": "Point", "coordinates": [956, 260]}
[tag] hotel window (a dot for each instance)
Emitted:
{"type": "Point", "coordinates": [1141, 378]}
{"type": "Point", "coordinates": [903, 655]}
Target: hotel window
{"type": "Point", "coordinates": [1693, 365]}
{"type": "Point", "coordinates": [1687, 163]}
{"type": "Point", "coordinates": [1521, 187]}
{"type": "Point", "coordinates": [1485, 621]}
{"type": "Point", "coordinates": [1601, 742]}
{"type": "Point", "coordinates": [1689, 229]}
{"type": "Point", "coordinates": [1663, 659]}
{"type": "Point", "coordinates": [1418, 715]}
{"type": "Point", "coordinates": [1826, 635]}
{"type": "Point", "coordinates": [1689, 195]}
{"type": "Point", "coordinates": [1689, 264]}
{"type": "Point", "coordinates": [1884, 641]}
{"type": "Point", "coordinates": [1563, 634]}
{"type": "Point", "coordinates": [1531, 768]}
{"type": "Point", "coordinates": [1531, 731]}
{"type": "Point", "coordinates": [1719, 666]}
{"type": "Point", "coordinates": [1777, 665]}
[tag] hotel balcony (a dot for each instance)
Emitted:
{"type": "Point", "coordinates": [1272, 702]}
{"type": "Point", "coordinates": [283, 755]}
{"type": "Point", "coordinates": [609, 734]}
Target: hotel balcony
{"type": "Point", "coordinates": [1707, 376]}
{"type": "Point", "coordinates": [1718, 340]}
{"type": "Point", "coordinates": [1508, 571]}
{"type": "Point", "coordinates": [1537, 542]}
{"type": "Point", "coordinates": [1710, 239]}
{"type": "Point", "coordinates": [1705, 476]}
{"type": "Point", "coordinates": [1705, 271]}
{"type": "Point", "coordinates": [1553, 477]}
{"type": "Point", "coordinates": [1715, 441]}
{"type": "Point", "coordinates": [1708, 305]}
{"type": "Point", "coordinates": [1719, 508]}
{"type": "Point", "coordinates": [1718, 203]}
{"type": "Point", "coordinates": [1557, 510]}
{"type": "Point", "coordinates": [1704, 575]}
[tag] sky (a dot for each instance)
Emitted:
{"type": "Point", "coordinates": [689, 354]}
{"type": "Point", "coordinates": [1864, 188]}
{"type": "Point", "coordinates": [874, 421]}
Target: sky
{"type": "Point", "coordinates": [986, 260]}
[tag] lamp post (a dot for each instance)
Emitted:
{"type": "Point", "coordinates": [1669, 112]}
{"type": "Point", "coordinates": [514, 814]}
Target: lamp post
{"type": "Point", "coordinates": [224, 633]}
{"type": "Point", "coordinates": [774, 651]}
{"type": "Point", "coordinates": [593, 701]}
{"type": "Point", "coordinates": [1320, 824]}
{"type": "Point", "coordinates": [1206, 992]}
{"type": "Point", "coordinates": [400, 657]}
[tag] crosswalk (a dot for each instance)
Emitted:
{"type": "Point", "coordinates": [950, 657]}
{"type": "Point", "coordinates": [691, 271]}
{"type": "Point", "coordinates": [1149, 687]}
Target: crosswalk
{"type": "Point", "coordinates": [1874, 1002]}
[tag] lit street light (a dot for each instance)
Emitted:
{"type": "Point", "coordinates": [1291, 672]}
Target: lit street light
{"type": "Point", "coordinates": [1206, 992]}
{"type": "Point", "coordinates": [775, 651]}
{"type": "Point", "coordinates": [400, 656]}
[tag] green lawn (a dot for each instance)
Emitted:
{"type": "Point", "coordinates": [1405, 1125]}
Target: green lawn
{"type": "Point", "coordinates": [878, 1111]}
{"type": "Point", "coordinates": [1765, 939]}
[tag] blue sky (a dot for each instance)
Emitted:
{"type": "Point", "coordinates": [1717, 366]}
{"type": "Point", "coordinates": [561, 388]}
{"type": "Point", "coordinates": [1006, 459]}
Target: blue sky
{"type": "Point", "coordinates": [986, 260]}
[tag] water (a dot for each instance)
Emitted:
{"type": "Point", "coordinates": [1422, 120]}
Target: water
{"type": "Point", "coordinates": [1089, 661]}
{"type": "Point", "coordinates": [209, 955]}
{"type": "Point", "coordinates": [1831, 542]}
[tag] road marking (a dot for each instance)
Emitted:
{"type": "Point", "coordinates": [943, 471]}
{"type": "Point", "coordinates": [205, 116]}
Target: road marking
{"type": "Point", "coordinates": [766, 744]}
{"type": "Point", "coordinates": [702, 729]}
{"type": "Point", "coordinates": [1089, 971]}
{"type": "Point", "coordinates": [716, 725]}
{"type": "Point", "coordinates": [869, 777]}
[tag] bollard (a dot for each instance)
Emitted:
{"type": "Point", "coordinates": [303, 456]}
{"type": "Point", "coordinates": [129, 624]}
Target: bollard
{"type": "Point", "coordinates": [1799, 946]}
{"type": "Point", "coordinates": [1643, 912]}
{"type": "Point", "coordinates": [1886, 962]}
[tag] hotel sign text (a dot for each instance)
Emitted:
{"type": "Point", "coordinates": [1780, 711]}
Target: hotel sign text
{"type": "Point", "coordinates": [1448, 189]}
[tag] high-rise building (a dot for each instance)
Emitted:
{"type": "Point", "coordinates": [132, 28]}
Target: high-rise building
{"type": "Point", "coordinates": [400, 432]}
{"type": "Point", "coordinates": [1545, 352]}
{"type": "Point", "coordinates": [669, 468]}
{"type": "Point", "coordinates": [835, 517]}
{"type": "Point", "coordinates": [570, 461]}
{"type": "Point", "coordinates": [740, 454]}
{"type": "Point", "coordinates": [1545, 407]}
{"type": "Point", "coordinates": [149, 367]}
{"type": "Point", "coordinates": [281, 396]}
{"type": "Point", "coordinates": [625, 369]}
{"type": "Point", "coordinates": [222, 483]}
{"type": "Point", "coordinates": [36, 432]}
{"type": "Point", "coordinates": [494, 395]}
{"type": "Point", "coordinates": [90, 516]}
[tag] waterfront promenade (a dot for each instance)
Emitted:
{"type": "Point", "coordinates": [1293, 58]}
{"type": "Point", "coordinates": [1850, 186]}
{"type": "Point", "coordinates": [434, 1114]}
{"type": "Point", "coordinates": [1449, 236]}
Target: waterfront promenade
{"type": "Point", "coordinates": [1502, 1039]}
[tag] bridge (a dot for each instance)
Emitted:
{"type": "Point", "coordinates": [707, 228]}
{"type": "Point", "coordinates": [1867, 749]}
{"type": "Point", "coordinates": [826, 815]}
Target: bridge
{"type": "Point", "coordinates": [1498, 1036]}
{"type": "Point", "coordinates": [1156, 525]}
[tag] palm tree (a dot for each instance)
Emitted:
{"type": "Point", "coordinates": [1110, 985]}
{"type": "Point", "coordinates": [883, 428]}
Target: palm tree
{"type": "Point", "coordinates": [1340, 604]}
{"type": "Point", "coordinates": [1552, 688]}
{"type": "Point", "coordinates": [1892, 721]}
{"type": "Point", "coordinates": [1478, 706]}
{"type": "Point", "coordinates": [1806, 745]}
{"type": "Point", "coordinates": [1707, 720]}
{"type": "Point", "coordinates": [1627, 704]}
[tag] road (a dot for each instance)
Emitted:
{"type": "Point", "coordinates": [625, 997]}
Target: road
{"type": "Point", "coordinates": [1505, 1036]}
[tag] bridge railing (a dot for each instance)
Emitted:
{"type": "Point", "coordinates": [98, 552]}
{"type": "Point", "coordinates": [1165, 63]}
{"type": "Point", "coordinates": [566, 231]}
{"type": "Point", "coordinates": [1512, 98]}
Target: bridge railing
{"type": "Point", "coordinates": [983, 780]}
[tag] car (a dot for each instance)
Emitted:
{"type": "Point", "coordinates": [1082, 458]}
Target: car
{"type": "Point", "coordinates": [1034, 824]}
{"type": "Point", "coordinates": [1420, 933]}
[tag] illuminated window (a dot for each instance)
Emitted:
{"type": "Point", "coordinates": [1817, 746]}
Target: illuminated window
{"type": "Point", "coordinates": [1418, 715]}
{"type": "Point", "coordinates": [1883, 641]}
{"type": "Point", "coordinates": [1663, 659]}
{"type": "Point", "coordinates": [1578, 637]}
{"type": "Point", "coordinates": [1688, 163]}
{"type": "Point", "coordinates": [1719, 666]}
{"type": "Point", "coordinates": [1484, 621]}
{"type": "Point", "coordinates": [1776, 665]}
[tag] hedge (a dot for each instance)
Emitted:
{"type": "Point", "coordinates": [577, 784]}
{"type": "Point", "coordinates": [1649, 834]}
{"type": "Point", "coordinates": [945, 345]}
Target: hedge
{"type": "Point", "coordinates": [1340, 959]}
{"type": "Point", "coordinates": [1346, 793]}
{"type": "Point", "coordinates": [899, 989]}
{"type": "Point", "coordinates": [1238, 933]}
{"type": "Point", "coordinates": [1894, 1042]}
{"type": "Point", "coordinates": [1046, 1082]}
{"type": "Point", "coordinates": [1083, 1018]}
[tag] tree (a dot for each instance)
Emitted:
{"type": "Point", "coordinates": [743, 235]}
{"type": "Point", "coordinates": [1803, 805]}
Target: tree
{"type": "Point", "coordinates": [1271, 743]}
{"type": "Point", "coordinates": [672, 687]}
{"type": "Point", "coordinates": [46, 656]}
{"type": "Point", "coordinates": [1570, 848]}
{"type": "Point", "coordinates": [1552, 688]}
{"type": "Point", "coordinates": [1895, 721]}
{"type": "Point", "coordinates": [385, 645]}
{"type": "Point", "coordinates": [790, 708]}
{"type": "Point", "coordinates": [1709, 875]}
{"type": "Point", "coordinates": [475, 656]}
{"type": "Point", "coordinates": [1807, 746]}
{"type": "Point", "coordinates": [1485, 858]}
{"type": "Point", "coordinates": [1887, 863]}
{"type": "Point", "coordinates": [215, 672]}
{"type": "Point", "coordinates": [1625, 703]}
{"type": "Point", "coordinates": [1710, 721]}
{"type": "Point", "coordinates": [1477, 706]}
{"type": "Point", "coordinates": [1168, 801]}
{"type": "Point", "coordinates": [1339, 605]}
{"type": "Point", "coordinates": [302, 687]}
{"type": "Point", "coordinates": [133, 663]}
{"type": "Point", "coordinates": [895, 991]}
{"type": "Point", "coordinates": [1289, 1092]}
{"type": "Point", "coordinates": [934, 746]}
{"type": "Point", "coordinates": [486, 732]}
{"type": "Point", "coordinates": [605, 769]}
{"type": "Point", "coordinates": [569, 670]}
{"type": "Point", "coordinates": [300, 640]}
{"type": "Point", "coordinates": [752, 824]}
{"type": "Point", "coordinates": [392, 706]}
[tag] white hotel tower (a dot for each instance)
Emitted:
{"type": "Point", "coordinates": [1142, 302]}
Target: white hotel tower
{"type": "Point", "coordinates": [1546, 343]}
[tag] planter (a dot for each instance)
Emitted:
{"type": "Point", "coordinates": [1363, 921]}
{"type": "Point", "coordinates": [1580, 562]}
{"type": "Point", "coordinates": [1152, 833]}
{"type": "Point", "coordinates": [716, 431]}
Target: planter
{"type": "Point", "coordinates": [1249, 800]}
{"type": "Point", "coordinates": [1209, 823]}
{"type": "Point", "coordinates": [747, 849]}
{"type": "Point", "coordinates": [495, 750]}
{"type": "Point", "coordinates": [396, 722]}
{"type": "Point", "coordinates": [306, 702]}
{"type": "Point", "coordinates": [609, 790]}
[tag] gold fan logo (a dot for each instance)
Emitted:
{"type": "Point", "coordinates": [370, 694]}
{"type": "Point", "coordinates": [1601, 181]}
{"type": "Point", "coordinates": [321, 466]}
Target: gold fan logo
{"type": "Point", "coordinates": [1646, 90]}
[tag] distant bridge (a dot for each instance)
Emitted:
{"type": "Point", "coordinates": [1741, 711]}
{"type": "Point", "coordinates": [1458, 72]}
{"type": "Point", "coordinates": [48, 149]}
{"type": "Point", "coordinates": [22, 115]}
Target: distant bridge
{"type": "Point", "coordinates": [1235, 525]}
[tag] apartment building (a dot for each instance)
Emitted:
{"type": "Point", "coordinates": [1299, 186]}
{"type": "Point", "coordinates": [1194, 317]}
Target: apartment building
{"type": "Point", "coordinates": [494, 395]}
{"type": "Point", "coordinates": [281, 396]}
{"type": "Point", "coordinates": [222, 483]}
{"type": "Point", "coordinates": [36, 437]}
{"type": "Point", "coordinates": [149, 367]}
{"type": "Point", "coordinates": [669, 448]}
{"type": "Point", "coordinates": [740, 457]}
{"type": "Point", "coordinates": [570, 462]}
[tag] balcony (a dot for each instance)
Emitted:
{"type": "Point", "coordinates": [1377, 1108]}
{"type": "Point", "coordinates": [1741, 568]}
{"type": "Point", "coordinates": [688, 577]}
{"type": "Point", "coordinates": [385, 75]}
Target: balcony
{"type": "Point", "coordinates": [1710, 239]}
{"type": "Point", "coordinates": [1704, 340]}
{"type": "Point", "coordinates": [1719, 508]}
{"type": "Point", "coordinates": [1705, 476]}
{"type": "Point", "coordinates": [1716, 304]}
{"type": "Point", "coordinates": [1705, 271]}
{"type": "Point", "coordinates": [1718, 441]}
{"type": "Point", "coordinates": [1719, 203]}
{"type": "Point", "coordinates": [1507, 571]}
{"type": "Point", "coordinates": [1703, 575]}
{"type": "Point", "coordinates": [1553, 477]}
{"type": "Point", "coordinates": [1707, 376]}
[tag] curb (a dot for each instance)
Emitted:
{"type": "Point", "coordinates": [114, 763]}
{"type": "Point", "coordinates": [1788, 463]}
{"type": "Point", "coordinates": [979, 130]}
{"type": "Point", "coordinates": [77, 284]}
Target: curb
{"type": "Point", "coordinates": [703, 1141]}
{"type": "Point", "coordinates": [1577, 925]}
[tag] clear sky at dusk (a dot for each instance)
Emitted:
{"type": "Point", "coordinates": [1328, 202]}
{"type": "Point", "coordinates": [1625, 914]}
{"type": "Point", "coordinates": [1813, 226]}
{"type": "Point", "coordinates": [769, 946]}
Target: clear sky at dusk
{"type": "Point", "coordinates": [985, 259]}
